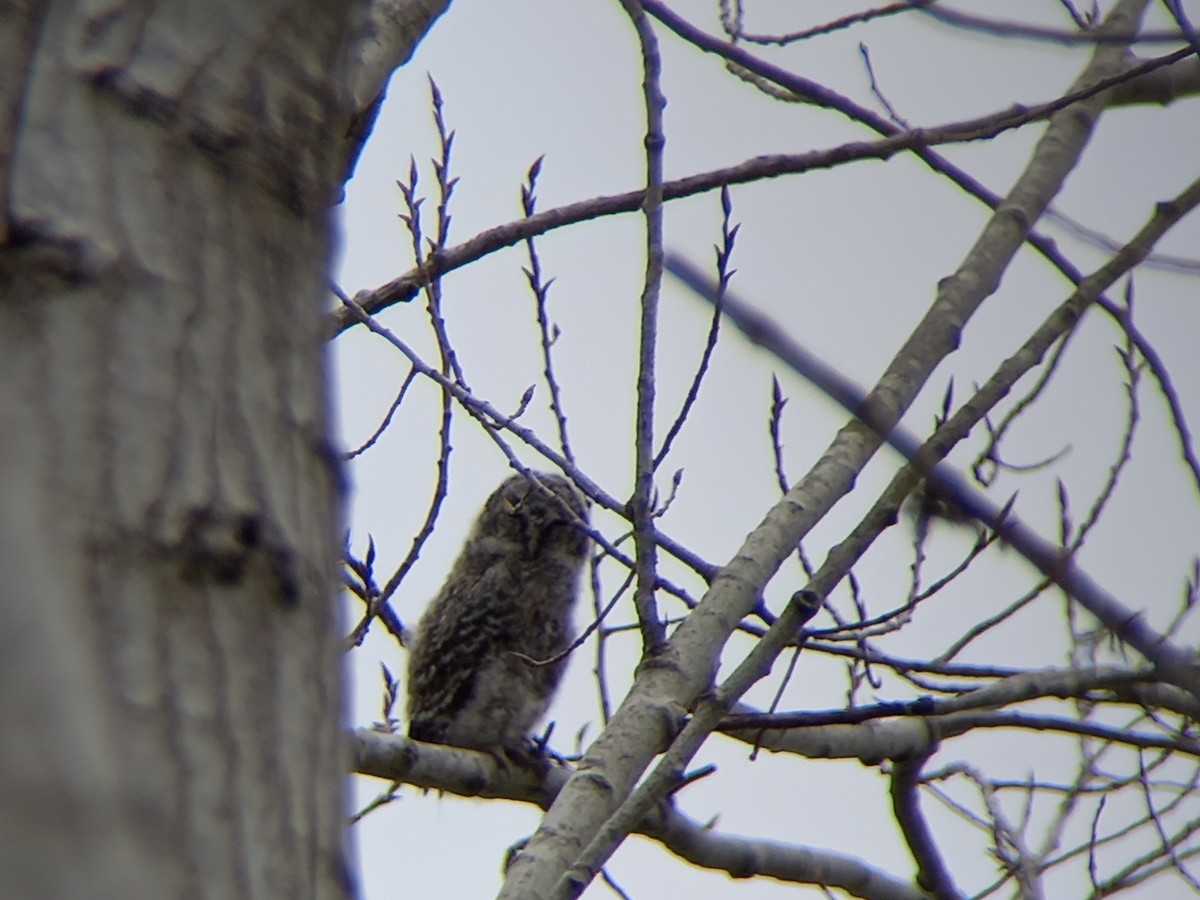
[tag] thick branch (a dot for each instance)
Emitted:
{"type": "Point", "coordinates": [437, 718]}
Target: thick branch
{"type": "Point", "coordinates": [1061, 684]}
{"type": "Point", "coordinates": [1175, 664]}
{"type": "Point", "coordinates": [1160, 87]}
{"type": "Point", "coordinates": [646, 720]}
{"type": "Point", "coordinates": [471, 774]}
{"type": "Point", "coordinates": [932, 872]}
{"type": "Point", "coordinates": [387, 35]}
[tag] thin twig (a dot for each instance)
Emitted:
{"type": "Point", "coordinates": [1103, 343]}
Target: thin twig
{"type": "Point", "coordinates": [493, 421]}
{"type": "Point", "coordinates": [1129, 627]}
{"type": "Point", "coordinates": [541, 291]}
{"type": "Point", "coordinates": [918, 141]}
{"type": "Point", "coordinates": [782, 40]}
{"type": "Point", "coordinates": [1003, 28]}
{"type": "Point", "coordinates": [641, 504]}
{"type": "Point", "coordinates": [724, 274]}
{"type": "Point", "coordinates": [387, 419]}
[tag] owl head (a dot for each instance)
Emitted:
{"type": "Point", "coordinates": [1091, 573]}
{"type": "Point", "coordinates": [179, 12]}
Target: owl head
{"type": "Point", "coordinates": [538, 518]}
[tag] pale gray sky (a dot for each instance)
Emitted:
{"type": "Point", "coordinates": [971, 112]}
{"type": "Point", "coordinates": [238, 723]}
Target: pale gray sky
{"type": "Point", "coordinates": [847, 260]}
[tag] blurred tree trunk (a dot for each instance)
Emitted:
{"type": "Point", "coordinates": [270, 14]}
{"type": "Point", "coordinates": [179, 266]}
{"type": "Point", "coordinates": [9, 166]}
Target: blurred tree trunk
{"type": "Point", "coordinates": [169, 656]}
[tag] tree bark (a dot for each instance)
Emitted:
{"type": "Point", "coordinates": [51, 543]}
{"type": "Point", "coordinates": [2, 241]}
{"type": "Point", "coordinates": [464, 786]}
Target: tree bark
{"type": "Point", "coordinates": [169, 657]}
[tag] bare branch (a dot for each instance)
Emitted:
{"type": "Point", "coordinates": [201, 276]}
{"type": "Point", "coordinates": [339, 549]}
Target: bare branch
{"type": "Point", "coordinates": [471, 774]}
{"type": "Point", "coordinates": [919, 141]}
{"type": "Point", "coordinates": [932, 873]}
{"type": "Point", "coordinates": [1176, 665]}
{"type": "Point", "coordinates": [641, 504]}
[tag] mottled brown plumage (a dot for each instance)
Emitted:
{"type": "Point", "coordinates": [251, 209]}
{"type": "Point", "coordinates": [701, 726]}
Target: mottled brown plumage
{"type": "Point", "coordinates": [507, 602]}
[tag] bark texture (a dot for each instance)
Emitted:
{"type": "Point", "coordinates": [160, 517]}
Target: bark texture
{"type": "Point", "coordinates": [169, 655]}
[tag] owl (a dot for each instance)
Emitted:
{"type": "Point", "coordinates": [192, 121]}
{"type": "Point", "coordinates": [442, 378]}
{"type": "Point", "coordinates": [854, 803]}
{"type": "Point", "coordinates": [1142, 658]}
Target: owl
{"type": "Point", "coordinates": [478, 675]}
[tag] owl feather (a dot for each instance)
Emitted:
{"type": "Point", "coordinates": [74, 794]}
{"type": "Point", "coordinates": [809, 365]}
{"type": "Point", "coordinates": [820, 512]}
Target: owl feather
{"type": "Point", "coordinates": [486, 659]}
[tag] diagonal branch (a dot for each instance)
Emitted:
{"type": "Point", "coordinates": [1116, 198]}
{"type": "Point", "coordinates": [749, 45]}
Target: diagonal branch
{"type": "Point", "coordinates": [706, 717]}
{"type": "Point", "coordinates": [470, 774]}
{"type": "Point", "coordinates": [1174, 664]}
{"type": "Point", "coordinates": [932, 872]}
{"type": "Point", "coordinates": [648, 718]}
{"type": "Point", "coordinates": [918, 141]}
